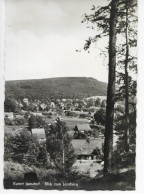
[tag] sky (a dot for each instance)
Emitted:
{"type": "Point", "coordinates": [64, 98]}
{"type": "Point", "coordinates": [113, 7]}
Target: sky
{"type": "Point", "coordinates": [42, 37]}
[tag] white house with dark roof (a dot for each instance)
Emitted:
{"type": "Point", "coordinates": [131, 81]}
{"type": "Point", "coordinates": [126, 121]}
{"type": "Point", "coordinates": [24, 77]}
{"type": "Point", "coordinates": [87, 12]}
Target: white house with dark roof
{"type": "Point", "coordinates": [86, 149]}
{"type": "Point", "coordinates": [84, 127]}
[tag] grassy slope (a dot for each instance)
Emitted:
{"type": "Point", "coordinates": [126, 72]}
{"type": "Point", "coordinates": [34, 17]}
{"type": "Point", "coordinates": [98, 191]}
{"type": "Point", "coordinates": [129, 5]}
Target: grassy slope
{"type": "Point", "coordinates": [120, 181]}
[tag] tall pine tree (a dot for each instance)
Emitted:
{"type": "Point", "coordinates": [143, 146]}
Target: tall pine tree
{"type": "Point", "coordinates": [105, 20]}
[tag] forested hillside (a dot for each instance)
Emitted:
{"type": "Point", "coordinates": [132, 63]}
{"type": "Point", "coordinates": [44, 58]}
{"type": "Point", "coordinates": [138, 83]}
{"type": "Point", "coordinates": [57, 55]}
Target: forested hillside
{"type": "Point", "coordinates": [64, 87]}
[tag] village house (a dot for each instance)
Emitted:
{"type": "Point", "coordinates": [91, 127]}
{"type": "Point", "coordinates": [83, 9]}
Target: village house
{"type": "Point", "coordinates": [43, 106]}
{"type": "Point", "coordinates": [90, 149]}
{"type": "Point", "coordinates": [52, 105]}
{"type": "Point", "coordinates": [64, 100]}
{"type": "Point", "coordinates": [36, 105]}
{"type": "Point", "coordinates": [37, 114]}
{"type": "Point", "coordinates": [9, 115]}
{"type": "Point", "coordinates": [83, 127]}
{"type": "Point", "coordinates": [25, 100]}
{"type": "Point", "coordinates": [39, 134]}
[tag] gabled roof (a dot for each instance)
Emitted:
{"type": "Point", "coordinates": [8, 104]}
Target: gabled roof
{"type": "Point", "coordinates": [86, 147]}
{"type": "Point", "coordinates": [82, 127]}
{"type": "Point", "coordinates": [36, 113]}
{"type": "Point", "coordinates": [43, 105]}
{"type": "Point", "coordinates": [25, 99]}
{"type": "Point", "coordinates": [38, 133]}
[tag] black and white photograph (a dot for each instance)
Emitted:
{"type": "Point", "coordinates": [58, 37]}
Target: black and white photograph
{"type": "Point", "coordinates": [70, 102]}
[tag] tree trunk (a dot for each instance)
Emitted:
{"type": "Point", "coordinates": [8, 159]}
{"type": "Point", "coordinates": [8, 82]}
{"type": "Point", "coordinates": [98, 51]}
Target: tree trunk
{"type": "Point", "coordinates": [126, 85]}
{"type": "Point", "coordinates": [108, 144]}
{"type": "Point", "coordinates": [63, 156]}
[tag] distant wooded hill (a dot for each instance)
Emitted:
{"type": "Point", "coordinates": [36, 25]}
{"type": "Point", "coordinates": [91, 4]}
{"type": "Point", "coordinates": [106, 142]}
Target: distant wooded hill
{"type": "Point", "coordinates": [63, 87]}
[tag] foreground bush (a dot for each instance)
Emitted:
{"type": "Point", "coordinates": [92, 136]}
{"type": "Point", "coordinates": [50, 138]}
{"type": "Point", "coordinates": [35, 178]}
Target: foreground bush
{"type": "Point", "coordinates": [15, 172]}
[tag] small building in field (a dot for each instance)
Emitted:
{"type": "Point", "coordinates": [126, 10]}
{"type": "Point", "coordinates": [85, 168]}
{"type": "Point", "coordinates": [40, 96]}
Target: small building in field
{"type": "Point", "coordinates": [39, 134]}
{"type": "Point", "coordinates": [90, 149]}
{"type": "Point", "coordinates": [9, 115]}
{"type": "Point", "coordinates": [84, 127]}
